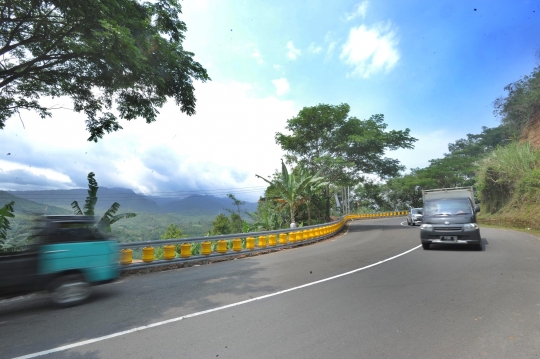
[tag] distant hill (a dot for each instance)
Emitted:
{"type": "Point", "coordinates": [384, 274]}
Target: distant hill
{"type": "Point", "coordinates": [29, 207]}
{"type": "Point", "coordinates": [204, 205]}
{"type": "Point", "coordinates": [129, 200]}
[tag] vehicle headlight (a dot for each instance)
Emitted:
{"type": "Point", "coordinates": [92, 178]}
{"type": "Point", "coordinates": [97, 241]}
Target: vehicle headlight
{"type": "Point", "coordinates": [427, 227]}
{"type": "Point", "coordinates": [469, 226]}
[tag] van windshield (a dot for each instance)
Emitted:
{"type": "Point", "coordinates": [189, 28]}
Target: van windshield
{"type": "Point", "coordinates": [451, 206]}
{"type": "Point", "coordinates": [416, 211]}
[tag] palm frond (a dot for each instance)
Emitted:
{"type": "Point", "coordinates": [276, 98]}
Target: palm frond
{"type": "Point", "coordinates": [76, 208]}
{"type": "Point", "coordinates": [91, 200]}
{"type": "Point", "coordinates": [5, 212]}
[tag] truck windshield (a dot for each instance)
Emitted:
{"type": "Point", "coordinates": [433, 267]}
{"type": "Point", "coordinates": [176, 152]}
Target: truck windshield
{"type": "Point", "coordinates": [450, 206]}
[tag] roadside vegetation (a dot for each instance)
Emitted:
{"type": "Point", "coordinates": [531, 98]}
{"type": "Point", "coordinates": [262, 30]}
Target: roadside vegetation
{"type": "Point", "coordinates": [333, 159]}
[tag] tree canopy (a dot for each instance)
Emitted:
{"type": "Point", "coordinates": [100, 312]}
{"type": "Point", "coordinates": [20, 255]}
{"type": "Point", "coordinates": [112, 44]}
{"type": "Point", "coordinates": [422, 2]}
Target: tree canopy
{"type": "Point", "coordinates": [522, 102]}
{"type": "Point", "coordinates": [324, 138]}
{"type": "Point", "coordinates": [113, 58]}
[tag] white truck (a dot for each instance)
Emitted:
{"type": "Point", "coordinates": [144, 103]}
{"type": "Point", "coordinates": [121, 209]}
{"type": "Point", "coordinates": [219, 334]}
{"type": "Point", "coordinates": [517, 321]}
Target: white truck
{"type": "Point", "coordinates": [450, 217]}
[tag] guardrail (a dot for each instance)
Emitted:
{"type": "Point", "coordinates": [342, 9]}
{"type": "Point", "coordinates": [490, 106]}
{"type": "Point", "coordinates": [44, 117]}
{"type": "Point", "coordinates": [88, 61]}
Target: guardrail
{"type": "Point", "coordinates": [179, 250]}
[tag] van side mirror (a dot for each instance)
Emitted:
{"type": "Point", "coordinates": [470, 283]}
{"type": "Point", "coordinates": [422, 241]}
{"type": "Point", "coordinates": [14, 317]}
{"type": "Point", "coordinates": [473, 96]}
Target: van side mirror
{"type": "Point", "coordinates": [476, 209]}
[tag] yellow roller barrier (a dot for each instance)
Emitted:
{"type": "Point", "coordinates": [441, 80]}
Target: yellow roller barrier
{"type": "Point", "coordinates": [237, 244]}
{"type": "Point", "coordinates": [292, 237]}
{"type": "Point", "coordinates": [168, 252]}
{"type": "Point", "coordinates": [148, 254]}
{"type": "Point", "coordinates": [262, 241]}
{"type": "Point", "coordinates": [250, 242]}
{"type": "Point", "coordinates": [272, 240]}
{"type": "Point", "coordinates": [185, 250]}
{"type": "Point", "coordinates": [283, 238]}
{"type": "Point", "coordinates": [206, 248]}
{"type": "Point", "coordinates": [126, 256]}
{"type": "Point", "coordinates": [222, 246]}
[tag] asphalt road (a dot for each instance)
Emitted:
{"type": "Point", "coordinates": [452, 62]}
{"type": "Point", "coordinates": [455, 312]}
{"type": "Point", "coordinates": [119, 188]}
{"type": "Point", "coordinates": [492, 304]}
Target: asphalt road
{"type": "Point", "coordinates": [310, 302]}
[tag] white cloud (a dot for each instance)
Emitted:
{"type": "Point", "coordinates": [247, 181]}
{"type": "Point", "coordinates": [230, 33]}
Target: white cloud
{"type": "Point", "coordinates": [332, 43]}
{"type": "Point", "coordinates": [371, 50]}
{"type": "Point", "coordinates": [282, 86]}
{"type": "Point", "coordinates": [359, 11]}
{"type": "Point", "coordinates": [314, 49]}
{"type": "Point", "coordinates": [293, 52]}
{"type": "Point", "coordinates": [256, 54]}
{"type": "Point", "coordinates": [277, 67]}
{"type": "Point", "coordinates": [217, 148]}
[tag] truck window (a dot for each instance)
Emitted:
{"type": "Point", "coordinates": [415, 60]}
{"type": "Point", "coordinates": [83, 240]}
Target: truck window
{"type": "Point", "coordinates": [452, 206]}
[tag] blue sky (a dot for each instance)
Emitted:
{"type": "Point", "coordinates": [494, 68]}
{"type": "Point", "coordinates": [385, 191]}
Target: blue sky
{"type": "Point", "coordinates": [432, 66]}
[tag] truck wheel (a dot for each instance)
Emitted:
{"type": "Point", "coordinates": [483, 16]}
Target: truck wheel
{"type": "Point", "coordinates": [70, 290]}
{"type": "Point", "coordinates": [425, 245]}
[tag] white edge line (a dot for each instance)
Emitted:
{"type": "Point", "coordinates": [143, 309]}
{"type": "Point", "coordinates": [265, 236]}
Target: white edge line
{"type": "Point", "coordinates": [90, 341]}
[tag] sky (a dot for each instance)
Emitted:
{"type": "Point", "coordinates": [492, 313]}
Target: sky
{"type": "Point", "coordinates": [434, 67]}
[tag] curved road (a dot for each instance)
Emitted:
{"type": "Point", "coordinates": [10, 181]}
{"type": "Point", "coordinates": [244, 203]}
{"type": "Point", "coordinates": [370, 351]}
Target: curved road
{"type": "Point", "coordinates": [368, 293]}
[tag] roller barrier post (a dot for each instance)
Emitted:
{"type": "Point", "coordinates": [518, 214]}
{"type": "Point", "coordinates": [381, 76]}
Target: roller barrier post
{"type": "Point", "coordinates": [206, 248]}
{"type": "Point", "coordinates": [222, 246]}
{"type": "Point", "coordinates": [185, 250]}
{"type": "Point", "coordinates": [168, 252]}
{"type": "Point", "coordinates": [237, 244]}
{"type": "Point", "coordinates": [126, 256]}
{"type": "Point", "coordinates": [148, 254]}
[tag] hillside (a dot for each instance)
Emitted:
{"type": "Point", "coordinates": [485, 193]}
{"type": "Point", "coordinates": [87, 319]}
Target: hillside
{"type": "Point", "coordinates": [24, 206]}
{"type": "Point", "coordinates": [509, 180]}
{"type": "Point", "coordinates": [204, 205]}
{"type": "Point", "coordinates": [129, 200]}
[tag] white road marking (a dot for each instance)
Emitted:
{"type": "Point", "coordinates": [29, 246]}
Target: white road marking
{"type": "Point", "coordinates": [114, 335]}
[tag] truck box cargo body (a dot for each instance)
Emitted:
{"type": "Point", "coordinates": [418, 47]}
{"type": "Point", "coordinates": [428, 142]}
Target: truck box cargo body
{"type": "Point", "coordinates": [450, 217]}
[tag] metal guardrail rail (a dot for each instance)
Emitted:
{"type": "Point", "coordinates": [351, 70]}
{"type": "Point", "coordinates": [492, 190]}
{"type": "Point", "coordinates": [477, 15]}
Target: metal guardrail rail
{"type": "Point", "coordinates": [242, 243]}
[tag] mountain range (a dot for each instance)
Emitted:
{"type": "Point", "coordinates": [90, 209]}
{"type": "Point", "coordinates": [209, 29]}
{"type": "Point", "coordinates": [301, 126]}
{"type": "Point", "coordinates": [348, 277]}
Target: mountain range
{"type": "Point", "coordinates": [59, 202]}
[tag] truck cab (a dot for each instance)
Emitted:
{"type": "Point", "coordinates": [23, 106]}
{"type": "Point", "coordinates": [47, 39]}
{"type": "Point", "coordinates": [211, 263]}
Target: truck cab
{"type": "Point", "coordinates": [450, 218]}
{"type": "Point", "coordinates": [66, 256]}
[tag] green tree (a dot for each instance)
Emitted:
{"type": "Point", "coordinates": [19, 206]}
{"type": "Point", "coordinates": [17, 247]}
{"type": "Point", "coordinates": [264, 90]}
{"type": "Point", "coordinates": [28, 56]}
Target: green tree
{"type": "Point", "coordinates": [113, 58]}
{"type": "Point", "coordinates": [291, 189]}
{"type": "Point", "coordinates": [172, 231]}
{"type": "Point", "coordinates": [325, 139]}
{"type": "Point", "coordinates": [521, 104]}
{"type": "Point", "coordinates": [237, 223]}
{"type": "Point", "coordinates": [109, 217]}
{"type": "Point", "coordinates": [222, 225]}
{"type": "Point", "coordinates": [236, 202]}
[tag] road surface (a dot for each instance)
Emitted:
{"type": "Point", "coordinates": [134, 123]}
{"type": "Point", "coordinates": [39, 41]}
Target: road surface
{"type": "Point", "coordinates": [371, 292]}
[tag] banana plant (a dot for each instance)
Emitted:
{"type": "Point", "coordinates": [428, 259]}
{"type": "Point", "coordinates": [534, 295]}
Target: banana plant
{"type": "Point", "coordinates": [291, 189]}
{"type": "Point", "coordinates": [5, 212]}
{"type": "Point", "coordinates": [109, 217]}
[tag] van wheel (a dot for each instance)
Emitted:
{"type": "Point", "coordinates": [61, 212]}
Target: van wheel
{"type": "Point", "coordinates": [70, 290]}
{"type": "Point", "coordinates": [425, 245]}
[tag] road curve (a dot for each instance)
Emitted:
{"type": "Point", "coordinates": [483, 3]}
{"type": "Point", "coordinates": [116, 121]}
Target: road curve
{"type": "Point", "coordinates": [447, 302]}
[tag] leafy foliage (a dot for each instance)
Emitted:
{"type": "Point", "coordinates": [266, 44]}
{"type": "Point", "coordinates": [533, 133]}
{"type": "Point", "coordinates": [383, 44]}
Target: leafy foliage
{"type": "Point", "coordinates": [222, 225]}
{"type": "Point", "coordinates": [173, 231]}
{"type": "Point", "coordinates": [291, 188]}
{"type": "Point", "coordinates": [109, 217]}
{"type": "Point", "coordinates": [99, 53]}
{"type": "Point", "coordinates": [5, 212]}
{"type": "Point", "coordinates": [324, 138]}
{"type": "Point", "coordinates": [509, 172]}
{"type": "Point", "coordinates": [521, 104]}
